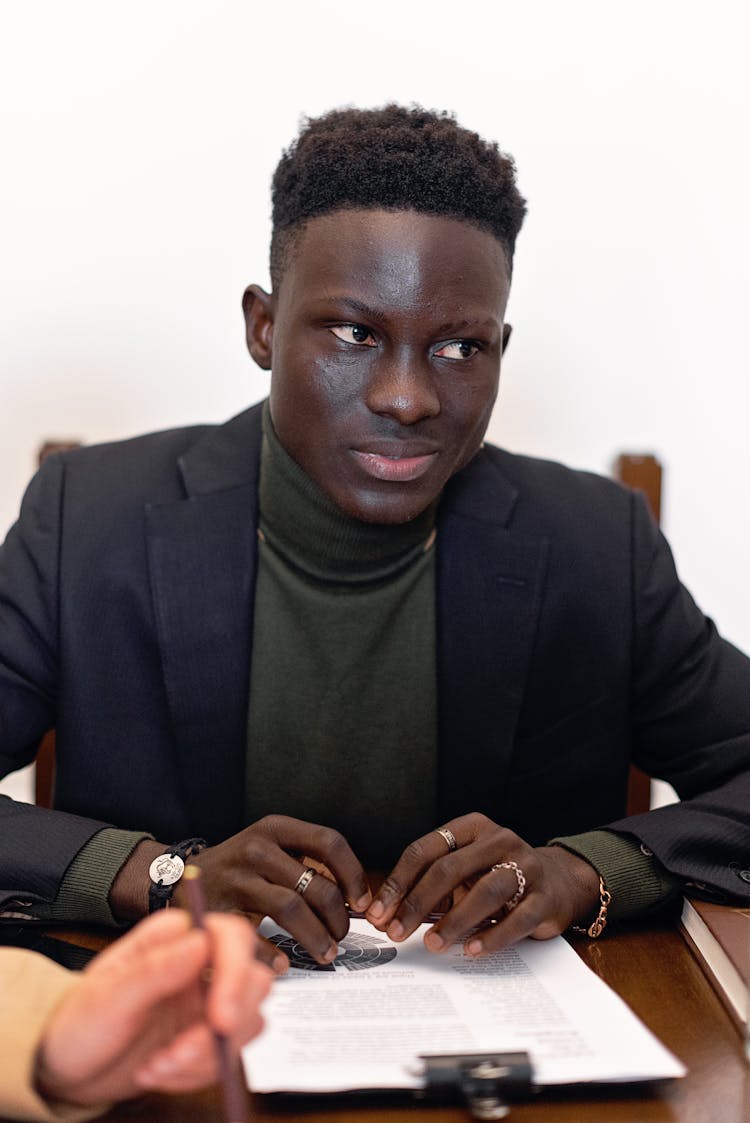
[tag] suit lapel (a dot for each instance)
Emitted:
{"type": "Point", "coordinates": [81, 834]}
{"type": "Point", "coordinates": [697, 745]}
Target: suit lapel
{"type": "Point", "coordinates": [202, 559]}
{"type": "Point", "coordinates": [489, 584]}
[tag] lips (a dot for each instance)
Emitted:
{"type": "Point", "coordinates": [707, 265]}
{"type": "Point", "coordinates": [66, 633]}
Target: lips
{"type": "Point", "coordinates": [394, 466]}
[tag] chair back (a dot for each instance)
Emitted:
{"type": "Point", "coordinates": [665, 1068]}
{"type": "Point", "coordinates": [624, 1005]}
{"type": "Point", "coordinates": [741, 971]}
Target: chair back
{"type": "Point", "coordinates": [643, 471]}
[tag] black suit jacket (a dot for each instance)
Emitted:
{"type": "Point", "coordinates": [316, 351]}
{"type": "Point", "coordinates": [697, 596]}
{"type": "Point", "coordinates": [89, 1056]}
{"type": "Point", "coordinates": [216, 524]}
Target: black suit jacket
{"type": "Point", "coordinates": [566, 648]}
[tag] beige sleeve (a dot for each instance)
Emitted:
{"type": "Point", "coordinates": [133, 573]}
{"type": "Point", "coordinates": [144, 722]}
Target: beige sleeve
{"type": "Point", "coordinates": [30, 987]}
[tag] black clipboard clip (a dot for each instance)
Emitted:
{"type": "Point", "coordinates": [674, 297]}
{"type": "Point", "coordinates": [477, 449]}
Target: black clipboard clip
{"type": "Point", "coordinates": [486, 1082]}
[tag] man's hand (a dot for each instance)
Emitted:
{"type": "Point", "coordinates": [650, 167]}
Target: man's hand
{"type": "Point", "coordinates": [560, 889]}
{"type": "Point", "coordinates": [143, 1018]}
{"type": "Point", "coordinates": [255, 872]}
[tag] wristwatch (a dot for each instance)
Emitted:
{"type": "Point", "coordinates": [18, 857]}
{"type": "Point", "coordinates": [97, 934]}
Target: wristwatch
{"type": "Point", "coordinates": [167, 869]}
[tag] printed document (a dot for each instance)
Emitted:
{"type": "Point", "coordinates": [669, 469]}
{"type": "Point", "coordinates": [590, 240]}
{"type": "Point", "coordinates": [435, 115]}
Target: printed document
{"type": "Point", "coordinates": [362, 1021]}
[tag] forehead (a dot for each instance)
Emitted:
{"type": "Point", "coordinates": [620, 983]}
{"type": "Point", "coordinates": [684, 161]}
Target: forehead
{"type": "Point", "coordinates": [401, 258]}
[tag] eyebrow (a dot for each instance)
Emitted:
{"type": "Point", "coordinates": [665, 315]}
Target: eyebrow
{"type": "Point", "coordinates": [448, 327]}
{"type": "Point", "coordinates": [452, 327]}
{"type": "Point", "coordinates": [356, 306]}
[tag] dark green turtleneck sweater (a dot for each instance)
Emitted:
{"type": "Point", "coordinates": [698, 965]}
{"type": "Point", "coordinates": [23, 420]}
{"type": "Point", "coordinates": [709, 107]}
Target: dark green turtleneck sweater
{"type": "Point", "coordinates": [342, 715]}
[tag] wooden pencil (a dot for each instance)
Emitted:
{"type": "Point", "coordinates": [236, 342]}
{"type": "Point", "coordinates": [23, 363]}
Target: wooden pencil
{"type": "Point", "coordinates": [235, 1097]}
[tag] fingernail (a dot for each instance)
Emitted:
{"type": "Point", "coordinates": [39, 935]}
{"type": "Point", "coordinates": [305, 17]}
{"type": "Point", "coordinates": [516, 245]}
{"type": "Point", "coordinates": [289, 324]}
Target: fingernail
{"type": "Point", "coordinates": [331, 954]}
{"type": "Point", "coordinates": [474, 947]}
{"type": "Point", "coordinates": [434, 941]}
{"type": "Point", "coordinates": [280, 965]}
{"type": "Point", "coordinates": [395, 930]}
{"type": "Point", "coordinates": [363, 902]}
{"type": "Point", "coordinates": [376, 909]}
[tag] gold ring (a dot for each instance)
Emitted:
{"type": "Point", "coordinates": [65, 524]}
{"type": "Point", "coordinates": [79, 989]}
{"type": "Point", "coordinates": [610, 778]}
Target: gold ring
{"type": "Point", "coordinates": [303, 881]}
{"type": "Point", "coordinates": [520, 883]}
{"type": "Point", "coordinates": [448, 835]}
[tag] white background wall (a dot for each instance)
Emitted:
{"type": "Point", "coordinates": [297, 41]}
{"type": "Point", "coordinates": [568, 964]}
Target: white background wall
{"type": "Point", "coordinates": [136, 147]}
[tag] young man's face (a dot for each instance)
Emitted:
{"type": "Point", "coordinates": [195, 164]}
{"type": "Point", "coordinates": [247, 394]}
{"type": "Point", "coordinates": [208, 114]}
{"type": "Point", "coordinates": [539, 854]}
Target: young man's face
{"type": "Point", "coordinates": [385, 338]}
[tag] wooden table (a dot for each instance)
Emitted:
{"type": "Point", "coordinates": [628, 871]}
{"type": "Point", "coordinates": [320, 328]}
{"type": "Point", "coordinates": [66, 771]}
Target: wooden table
{"type": "Point", "coordinates": [655, 973]}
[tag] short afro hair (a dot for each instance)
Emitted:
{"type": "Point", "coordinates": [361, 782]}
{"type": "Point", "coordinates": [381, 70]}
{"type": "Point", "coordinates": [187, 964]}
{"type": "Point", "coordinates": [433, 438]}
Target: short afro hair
{"type": "Point", "coordinates": [394, 158]}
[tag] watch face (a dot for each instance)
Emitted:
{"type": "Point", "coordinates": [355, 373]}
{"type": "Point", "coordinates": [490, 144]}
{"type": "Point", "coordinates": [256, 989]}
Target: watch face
{"type": "Point", "coordinates": [167, 869]}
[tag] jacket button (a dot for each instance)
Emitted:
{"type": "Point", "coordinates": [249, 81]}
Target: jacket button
{"type": "Point", "coordinates": [744, 874]}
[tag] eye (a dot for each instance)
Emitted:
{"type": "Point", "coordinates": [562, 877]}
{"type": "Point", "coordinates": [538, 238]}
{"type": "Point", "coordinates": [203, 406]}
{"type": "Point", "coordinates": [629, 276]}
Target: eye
{"type": "Point", "coordinates": [354, 333]}
{"type": "Point", "coordinates": [457, 349]}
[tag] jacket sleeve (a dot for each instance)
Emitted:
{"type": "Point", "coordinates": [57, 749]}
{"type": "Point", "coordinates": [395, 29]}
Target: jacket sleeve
{"type": "Point", "coordinates": [690, 726]}
{"type": "Point", "coordinates": [36, 845]}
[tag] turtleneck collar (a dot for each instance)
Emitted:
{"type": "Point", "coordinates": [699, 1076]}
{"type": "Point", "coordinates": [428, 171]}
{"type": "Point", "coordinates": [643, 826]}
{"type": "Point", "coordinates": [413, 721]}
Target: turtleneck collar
{"type": "Point", "coordinates": [301, 523]}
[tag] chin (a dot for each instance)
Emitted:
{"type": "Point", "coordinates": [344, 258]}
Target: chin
{"type": "Point", "coordinates": [383, 513]}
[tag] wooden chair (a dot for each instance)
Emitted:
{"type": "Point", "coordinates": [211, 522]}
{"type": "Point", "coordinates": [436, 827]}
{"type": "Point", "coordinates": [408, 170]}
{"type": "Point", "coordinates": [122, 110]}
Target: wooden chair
{"type": "Point", "coordinates": [44, 772]}
{"type": "Point", "coordinates": [641, 471]}
{"type": "Point", "coordinates": [644, 472]}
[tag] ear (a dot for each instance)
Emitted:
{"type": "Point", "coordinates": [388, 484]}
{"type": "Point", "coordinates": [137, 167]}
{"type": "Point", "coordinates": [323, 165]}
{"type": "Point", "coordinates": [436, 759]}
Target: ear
{"type": "Point", "coordinates": [507, 329]}
{"type": "Point", "coordinates": [257, 306]}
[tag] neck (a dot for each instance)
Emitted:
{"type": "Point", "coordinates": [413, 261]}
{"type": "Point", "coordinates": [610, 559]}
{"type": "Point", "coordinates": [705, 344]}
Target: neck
{"type": "Point", "coordinates": [299, 521]}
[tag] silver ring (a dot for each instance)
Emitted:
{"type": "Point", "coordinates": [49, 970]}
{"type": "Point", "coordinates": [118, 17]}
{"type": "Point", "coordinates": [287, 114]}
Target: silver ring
{"type": "Point", "coordinates": [303, 881]}
{"type": "Point", "coordinates": [449, 837]}
{"type": "Point", "coordinates": [520, 883]}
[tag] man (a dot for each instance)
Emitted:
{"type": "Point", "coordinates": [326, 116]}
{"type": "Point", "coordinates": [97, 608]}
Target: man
{"type": "Point", "coordinates": [340, 608]}
{"type": "Point", "coordinates": [138, 1019]}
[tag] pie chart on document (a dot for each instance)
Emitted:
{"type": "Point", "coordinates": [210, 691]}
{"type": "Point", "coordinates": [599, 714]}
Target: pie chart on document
{"type": "Point", "coordinates": [356, 953]}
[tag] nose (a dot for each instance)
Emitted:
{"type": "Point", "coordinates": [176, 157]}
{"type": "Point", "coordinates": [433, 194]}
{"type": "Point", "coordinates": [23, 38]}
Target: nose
{"type": "Point", "coordinates": [403, 387]}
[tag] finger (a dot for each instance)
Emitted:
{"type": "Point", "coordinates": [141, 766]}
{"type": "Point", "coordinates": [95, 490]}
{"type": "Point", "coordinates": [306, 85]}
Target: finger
{"type": "Point", "coordinates": [329, 847]}
{"type": "Point", "coordinates": [162, 971]}
{"type": "Point", "coordinates": [324, 897]}
{"type": "Point", "coordinates": [273, 866]}
{"type": "Point", "coordinates": [487, 899]}
{"type": "Point", "coordinates": [417, 858]}
{"type": "Point", "coordinates": [517, 925]}
{"type": "Point", "coordinates": [290, 911]}
{"type": "Point", "coordinates": [268, 955]}
{"type": "Point", "coordinates": [238, 982]}
{"type": "Point", "coordinates": [321, 894]}
{"type": "Point", "coordinates": [188, 1062]}
{"type": "Point", "coordinates": [447, 882]}
{"type": "Point", "coordinates": [431, 851]}
{"type": "Point", "coordinates": [160, 929]}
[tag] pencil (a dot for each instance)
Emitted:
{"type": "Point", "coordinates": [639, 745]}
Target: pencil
{"type": "Point", "coordinates": [235, 1099]}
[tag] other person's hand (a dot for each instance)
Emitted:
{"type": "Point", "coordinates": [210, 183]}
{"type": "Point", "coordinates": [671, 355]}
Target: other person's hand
{"type": "Point", "coordinates": [142, 1016]}
{"type": "Point", "coordinates": [498, 888]}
